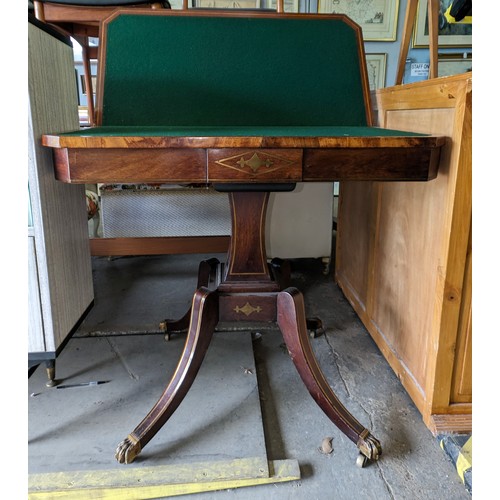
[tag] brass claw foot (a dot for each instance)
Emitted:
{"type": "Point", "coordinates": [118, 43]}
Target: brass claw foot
{"type": "Point", "coordinates": [127, 450]}
{"type": "Point", "coordinates": [369, 447]}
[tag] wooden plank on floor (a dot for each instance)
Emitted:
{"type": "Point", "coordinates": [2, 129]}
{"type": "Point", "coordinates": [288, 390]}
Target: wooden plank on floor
{"type": "Point", "coordinates": [160, 481]}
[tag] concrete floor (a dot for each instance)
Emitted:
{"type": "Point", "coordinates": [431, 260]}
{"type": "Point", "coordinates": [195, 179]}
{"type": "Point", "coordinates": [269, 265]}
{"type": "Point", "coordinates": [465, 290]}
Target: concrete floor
{"type": "Point", "coordinates": [78, 428]}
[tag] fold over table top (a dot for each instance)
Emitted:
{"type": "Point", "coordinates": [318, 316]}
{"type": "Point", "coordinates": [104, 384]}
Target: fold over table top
{"type": "Point", "coordinates": [236, 97]}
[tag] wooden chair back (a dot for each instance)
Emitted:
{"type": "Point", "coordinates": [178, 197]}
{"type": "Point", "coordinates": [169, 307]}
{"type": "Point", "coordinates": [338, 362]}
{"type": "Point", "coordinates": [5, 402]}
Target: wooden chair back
{"type": "Point", "coordinates": [81, 20]}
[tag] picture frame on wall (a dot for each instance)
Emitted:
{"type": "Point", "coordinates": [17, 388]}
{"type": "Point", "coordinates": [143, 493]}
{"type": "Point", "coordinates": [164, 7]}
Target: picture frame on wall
{"type": "Point", "coordinates": [226, 4]}
{"type": "Point", "coordinates": [376, 65]}
{"type": "Point", "coordinates": [290, 5]}
{"type": "Point", "coordinates": [449, 34]}
{"type": "Point", "coordinates": [377, 18]}
{"type": "Point", "coordinates": [93, 79]}
{"type": "Point", "coordinates": [454, 64]}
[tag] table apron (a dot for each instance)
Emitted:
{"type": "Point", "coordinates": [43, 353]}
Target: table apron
{"type": "Point", "coordinates": [131, 165]}
{"type": "Point", "coordinates": [384, 164]}
{"type": "Point", "coordinates": [244, 165]}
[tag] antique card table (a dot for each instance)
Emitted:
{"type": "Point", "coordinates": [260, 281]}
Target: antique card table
{"type": "Point", "coordinates": [250, 103]}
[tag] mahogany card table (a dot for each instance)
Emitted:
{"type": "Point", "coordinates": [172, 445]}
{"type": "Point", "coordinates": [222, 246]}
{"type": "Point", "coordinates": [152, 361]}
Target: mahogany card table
{"type": "Point", "coordinates": [251, 103]}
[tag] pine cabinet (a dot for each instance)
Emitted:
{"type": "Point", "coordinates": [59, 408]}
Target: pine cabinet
{"type": "Point", "coordinates": [404, 251]}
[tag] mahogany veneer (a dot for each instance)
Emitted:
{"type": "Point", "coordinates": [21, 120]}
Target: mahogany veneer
{"type": "Point", "coordinates": [193, 159]}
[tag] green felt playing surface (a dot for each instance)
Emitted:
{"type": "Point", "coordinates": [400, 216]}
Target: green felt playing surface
{"type": "Point", "coordinates": [279, 71]}
{"type": "Point", "coordinates": [237, 131]}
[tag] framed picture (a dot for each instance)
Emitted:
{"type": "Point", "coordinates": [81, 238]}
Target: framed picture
{"type": "Point", "coordinates": [377, 18]}
{"type": "Point", "coordinates": [449, 35]}
{"type": "Point", "coordinates": [290, 5]}
{"type": "Point", "coordinates": [376, 67]}
{"type": "Point", "coordinates": [226, 4]}
{"type": "Point", "coordinates": [454, 64]}
{"type": "Point", "coordinates": [176, 4]}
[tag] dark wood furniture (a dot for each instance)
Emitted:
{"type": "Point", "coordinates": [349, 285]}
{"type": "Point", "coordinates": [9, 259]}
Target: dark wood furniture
{"type": "Point", "coordinates": [227, 105]}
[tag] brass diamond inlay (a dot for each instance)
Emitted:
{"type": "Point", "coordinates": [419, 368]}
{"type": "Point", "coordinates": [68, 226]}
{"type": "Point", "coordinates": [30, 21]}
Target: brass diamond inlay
{"type": "Point", "coordinates": [255, 163]}
{"type": "Point", "coordinates": [247, 309]}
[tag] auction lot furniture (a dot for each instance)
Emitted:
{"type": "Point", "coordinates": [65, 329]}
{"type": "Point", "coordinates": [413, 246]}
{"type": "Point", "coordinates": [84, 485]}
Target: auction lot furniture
{"type": "Point", "coordinates": [225, 105]}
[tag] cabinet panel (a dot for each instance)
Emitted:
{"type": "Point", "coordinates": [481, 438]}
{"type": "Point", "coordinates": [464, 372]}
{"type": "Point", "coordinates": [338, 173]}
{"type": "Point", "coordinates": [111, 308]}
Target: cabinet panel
{"type": "Point", "coordinates": [410, 228]}
{"type": "Point", "coordinates": [357, 201]}
{"type": "Point", "coordinates": [462, 371]}
{"type": "Point", "coordinates": [60, 287]}
{"type": "Point", "coordinates": [36, 339]}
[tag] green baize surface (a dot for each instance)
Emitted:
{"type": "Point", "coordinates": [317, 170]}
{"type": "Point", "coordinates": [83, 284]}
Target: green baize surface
{"type": "Point", "coordinates": [232, 71]}
{"type": "Point", "coordinates": [238, 131]}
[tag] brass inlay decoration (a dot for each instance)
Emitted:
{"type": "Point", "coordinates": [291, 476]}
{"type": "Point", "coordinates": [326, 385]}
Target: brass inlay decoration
{"type": "Point", "coordinates": [255, 163]}
{"type": "Point", "coordinates": [247, 309]}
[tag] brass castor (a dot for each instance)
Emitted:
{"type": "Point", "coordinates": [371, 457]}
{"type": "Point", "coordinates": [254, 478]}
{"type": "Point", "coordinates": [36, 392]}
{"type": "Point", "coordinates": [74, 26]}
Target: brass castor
{"type": "Point", "coordinates": [127, 450]}
{"type": "Point", "coordinates": [163, 327]}
{"type": "Point", "coordinates": [315, 327]}
{"type": "Point", "coordinates": [370, 449]}
{"type": "Point", "coordinates": [361, 461]}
